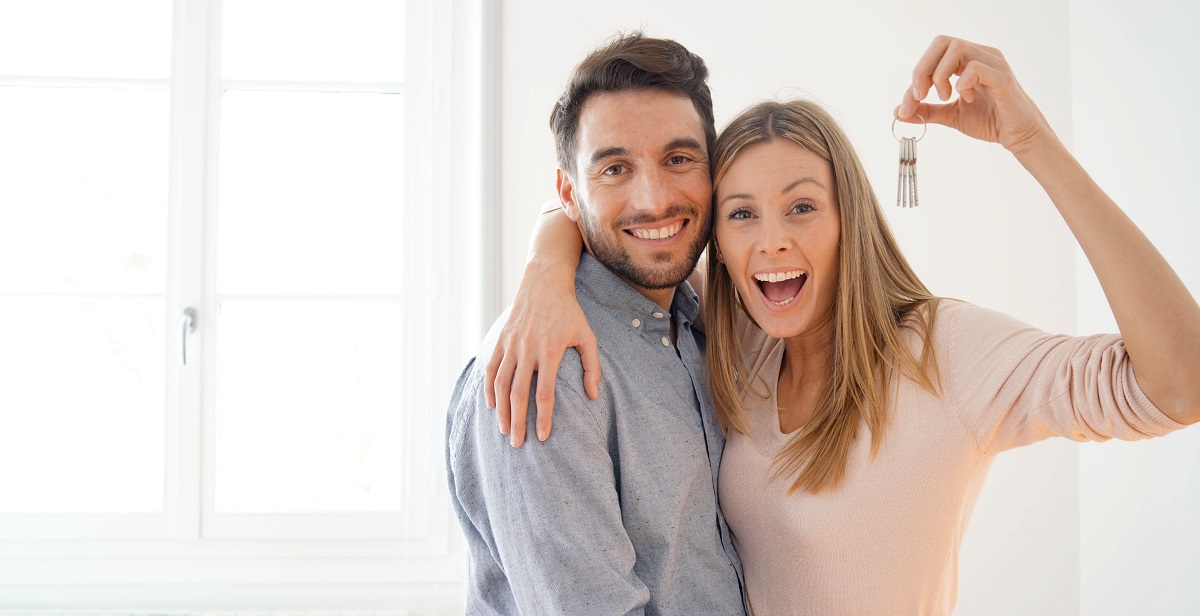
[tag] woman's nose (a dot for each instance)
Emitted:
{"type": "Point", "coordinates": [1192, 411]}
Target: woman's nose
{"type": "Point", "coordinates": [774, 238]}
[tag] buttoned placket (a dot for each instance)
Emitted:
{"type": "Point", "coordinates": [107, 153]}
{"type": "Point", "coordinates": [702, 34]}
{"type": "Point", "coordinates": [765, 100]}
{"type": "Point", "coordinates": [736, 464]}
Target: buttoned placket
{"type": "Point", "coordinates": [691, 355]}
{"type": "Point", "coordinates": [654, 327]}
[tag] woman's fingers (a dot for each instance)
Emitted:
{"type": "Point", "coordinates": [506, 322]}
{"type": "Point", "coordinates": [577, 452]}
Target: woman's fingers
{"type": "Point", "coordinates": [544, 396]}
{"type": "Point", "coordinates": [934, 114]}
{"type": "Point", "coordinates": [922, 75]}
{"type": "Point", "coordinates": [948, 65]}
{"type": "Point", "coordinates": [502, 385]}
{"type": "Point", "coordinates": [945, 58]}
{"type": "Point", "coordinates": [489, 377]}
{"type": "Point", "coordinates": [589, 354]}
{"type": "Point", "coordinates": [519, 402]}
{"type": "Point", "coordinates": [977, 76]}
{"type": "Point", "coordinates": [509, 377]}
{"type": "Point", "coordinates": [547, 372]}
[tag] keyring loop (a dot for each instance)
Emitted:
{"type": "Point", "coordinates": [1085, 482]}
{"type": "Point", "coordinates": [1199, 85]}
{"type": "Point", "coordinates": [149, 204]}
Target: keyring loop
{"type": "Point", "coordinates": [924, 127]}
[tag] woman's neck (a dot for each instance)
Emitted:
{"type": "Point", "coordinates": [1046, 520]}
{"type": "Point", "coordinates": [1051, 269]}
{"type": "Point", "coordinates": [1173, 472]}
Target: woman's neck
{"type": "Point", "coordinates": [804, 376]}
{"type": "Point", "coordinates": [808, 355]}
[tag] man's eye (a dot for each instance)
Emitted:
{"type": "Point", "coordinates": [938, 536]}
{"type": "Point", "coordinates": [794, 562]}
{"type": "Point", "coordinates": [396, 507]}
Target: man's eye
{"type": "Point", "coordinates": [679, 160]}
{"type": "Point", "coordinates": [615, 170]}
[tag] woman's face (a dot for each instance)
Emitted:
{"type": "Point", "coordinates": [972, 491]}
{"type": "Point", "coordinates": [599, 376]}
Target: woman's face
{"type": "Point", "coordinates": [777, 228]}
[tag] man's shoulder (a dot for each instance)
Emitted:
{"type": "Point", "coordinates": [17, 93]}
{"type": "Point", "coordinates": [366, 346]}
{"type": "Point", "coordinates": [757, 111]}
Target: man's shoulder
{"type": "Point", "coordinates": [468, 403]}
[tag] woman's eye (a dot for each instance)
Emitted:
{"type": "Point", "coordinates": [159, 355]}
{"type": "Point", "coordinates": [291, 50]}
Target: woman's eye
{"type": "Point", "coordinates": [615, 170]}
{"type": "Point", "coordinates": [802, 208]}
{"type": "Point", "coordinates": [739, 214]}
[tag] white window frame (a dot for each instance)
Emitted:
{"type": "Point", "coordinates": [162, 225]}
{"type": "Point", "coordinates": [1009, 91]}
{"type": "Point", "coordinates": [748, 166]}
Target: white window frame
{"type": "Point", "coordinates": [192, 558]}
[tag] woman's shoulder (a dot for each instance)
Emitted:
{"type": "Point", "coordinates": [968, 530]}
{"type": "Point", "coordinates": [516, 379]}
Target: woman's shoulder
{"type": "Point", "coordinates": [951, 318]}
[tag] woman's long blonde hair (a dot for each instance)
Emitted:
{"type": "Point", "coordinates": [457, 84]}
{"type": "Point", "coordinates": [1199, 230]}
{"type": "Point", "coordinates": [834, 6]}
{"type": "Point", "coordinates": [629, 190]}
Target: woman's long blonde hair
{"type": "Point", "coordinates": [878, 294]}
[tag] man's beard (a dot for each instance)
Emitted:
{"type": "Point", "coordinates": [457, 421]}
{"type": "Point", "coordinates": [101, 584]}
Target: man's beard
{"type": "Point", "coordinates": [609, 251]}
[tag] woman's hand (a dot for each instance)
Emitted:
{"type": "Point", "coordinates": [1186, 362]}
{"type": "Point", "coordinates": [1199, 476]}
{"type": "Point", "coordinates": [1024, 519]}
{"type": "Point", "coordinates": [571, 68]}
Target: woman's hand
{"type": "Point", "coordinates": [991, 104]}
{"type": "Point", "coordinates": [545, 319]}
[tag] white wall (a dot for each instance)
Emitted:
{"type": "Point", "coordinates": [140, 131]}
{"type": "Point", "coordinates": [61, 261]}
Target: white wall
{"type": "Point", "coordinates": [1137, 130]}
{"type": "Point", "coordinates": [984, 232]}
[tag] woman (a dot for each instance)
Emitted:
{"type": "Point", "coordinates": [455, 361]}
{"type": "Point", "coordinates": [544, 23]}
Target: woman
{"type": "Point", "coordinates": [863, 412]}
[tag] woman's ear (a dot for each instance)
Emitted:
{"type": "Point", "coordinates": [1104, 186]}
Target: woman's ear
{"type": "Point", "coordinates": [566, 194]}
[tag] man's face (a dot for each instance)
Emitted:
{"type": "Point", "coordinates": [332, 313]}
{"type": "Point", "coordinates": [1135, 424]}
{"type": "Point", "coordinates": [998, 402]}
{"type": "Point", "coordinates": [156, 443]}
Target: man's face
{"type": "Point", "coordinates": [641, 187]}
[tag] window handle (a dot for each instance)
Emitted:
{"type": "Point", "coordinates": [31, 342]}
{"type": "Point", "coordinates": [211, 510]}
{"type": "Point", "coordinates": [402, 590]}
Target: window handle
{"type": "Point", "coordinates": [189, 325]}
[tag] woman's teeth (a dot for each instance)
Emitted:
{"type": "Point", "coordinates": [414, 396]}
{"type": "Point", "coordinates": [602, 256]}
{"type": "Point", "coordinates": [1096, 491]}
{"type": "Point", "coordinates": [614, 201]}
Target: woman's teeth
{"type": "Point", "coordinates": [781, 288]}
{"type": "Point", "coordinates": [778, 276]}
{"type": "Point", "coordinates": [660, 233]}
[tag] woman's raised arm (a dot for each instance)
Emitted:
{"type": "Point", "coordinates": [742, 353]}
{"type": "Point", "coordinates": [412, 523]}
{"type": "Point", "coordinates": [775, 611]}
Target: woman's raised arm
{"type": "Point", "coordinates": [1158, 318]}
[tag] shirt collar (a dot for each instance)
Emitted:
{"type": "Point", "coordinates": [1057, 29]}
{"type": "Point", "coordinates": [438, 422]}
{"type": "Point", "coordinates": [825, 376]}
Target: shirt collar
{"type": "Point", "coordinates": [607, 289]}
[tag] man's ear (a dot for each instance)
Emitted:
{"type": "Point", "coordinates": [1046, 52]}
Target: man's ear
{"type": "Point", "coordinates": [566, 194]}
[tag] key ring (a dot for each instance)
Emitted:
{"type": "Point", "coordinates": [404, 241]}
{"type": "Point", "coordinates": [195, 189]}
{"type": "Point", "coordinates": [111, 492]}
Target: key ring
{"type": "Point", "coordinates": [906, 184]}
{"type": "Point", "coordinates": [924, 127]}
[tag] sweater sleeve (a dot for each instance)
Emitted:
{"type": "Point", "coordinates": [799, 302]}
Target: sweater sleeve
{"type": "Point", "coordinates": [1014, 385]}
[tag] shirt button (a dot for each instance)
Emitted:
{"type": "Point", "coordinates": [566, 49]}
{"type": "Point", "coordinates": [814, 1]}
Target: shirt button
{"type": "Point", "coordinates": [666, 341]}
{"type": "Point", "coordinates": [637, 322]}
{"type": "Point", "coordinates": [658, 315]}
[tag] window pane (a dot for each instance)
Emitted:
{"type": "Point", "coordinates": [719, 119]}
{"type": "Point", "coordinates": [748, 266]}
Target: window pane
{"type": "Point", "coordinates": [308, 407]}
{"type": "Point", "coordinates": [81, 405]}
{"type": "Point", "coordinates": [84, 190]}
{"type": "Point", "coordinates": [310, 198]}
{"type": "Point", "coordinates": [329, 40]}
{"type": "Point", "coordinates": [85, 38]}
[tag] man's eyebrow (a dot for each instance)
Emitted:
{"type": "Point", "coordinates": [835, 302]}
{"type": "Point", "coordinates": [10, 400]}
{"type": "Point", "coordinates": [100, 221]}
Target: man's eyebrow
{"type": "Point", "coordinates": [681, 143]}
{"type": "Point", "coordinates": [808, 179]}
{"type": "Point", "coordinates": [604, 153]}
{"type": "Point", "coordinates": [685, 143]}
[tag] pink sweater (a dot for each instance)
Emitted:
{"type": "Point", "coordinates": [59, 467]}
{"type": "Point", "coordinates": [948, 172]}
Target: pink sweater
{"type": "Point", "coordinates": [887, 540]}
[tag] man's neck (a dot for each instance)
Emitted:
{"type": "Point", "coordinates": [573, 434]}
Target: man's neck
{"type": "Point", "coordinates": [662, 297]}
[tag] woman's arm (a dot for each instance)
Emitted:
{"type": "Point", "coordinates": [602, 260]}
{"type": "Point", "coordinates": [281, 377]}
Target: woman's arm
{"type": "Point", "coordinates": [1158, 318]}
{"type": "Point", "coordinates": [544, 320]}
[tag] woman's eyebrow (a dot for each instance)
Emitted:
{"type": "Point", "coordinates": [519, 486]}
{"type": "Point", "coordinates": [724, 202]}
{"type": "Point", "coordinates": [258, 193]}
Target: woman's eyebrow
{"type": "Point", "coordinates": [735, 196]}
{"type": "Point", "coordinates": [806, 179]}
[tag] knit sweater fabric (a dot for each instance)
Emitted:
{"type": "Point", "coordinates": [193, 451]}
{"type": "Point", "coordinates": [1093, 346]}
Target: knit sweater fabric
{"type": "Point", "coordinates": [886, 541]}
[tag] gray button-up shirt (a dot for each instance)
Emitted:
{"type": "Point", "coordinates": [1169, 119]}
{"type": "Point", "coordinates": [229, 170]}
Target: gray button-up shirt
{"type": "Point", "coordinates": [616, 513]}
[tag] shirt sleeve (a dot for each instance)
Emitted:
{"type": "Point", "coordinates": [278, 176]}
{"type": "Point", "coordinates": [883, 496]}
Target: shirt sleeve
{"type": "Point", "coordinates": [544, 520]}
{"type": "Point", "coordinates": [1014, 385]}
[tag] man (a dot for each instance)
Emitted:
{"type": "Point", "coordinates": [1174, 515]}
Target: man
{"type": "Point", "coordinates": [618, 512]}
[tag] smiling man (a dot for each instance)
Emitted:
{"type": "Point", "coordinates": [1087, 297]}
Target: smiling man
{"type": "Point", "coordinates": [618, 513]}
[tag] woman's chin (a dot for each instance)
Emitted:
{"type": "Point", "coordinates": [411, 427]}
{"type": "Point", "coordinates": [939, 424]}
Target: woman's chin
{"type": "Point", "coordinates": [779, 324]}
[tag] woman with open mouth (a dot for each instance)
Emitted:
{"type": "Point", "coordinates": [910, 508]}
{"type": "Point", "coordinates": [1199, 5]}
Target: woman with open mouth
{"type": "Point", "coordinates": [862, 412]}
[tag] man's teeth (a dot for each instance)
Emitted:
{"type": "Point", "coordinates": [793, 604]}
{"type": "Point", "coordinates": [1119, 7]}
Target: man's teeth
{"type": "Point", "coordinates": [778, 276]}
{"type": "Point", "coordinates": [660, 233]}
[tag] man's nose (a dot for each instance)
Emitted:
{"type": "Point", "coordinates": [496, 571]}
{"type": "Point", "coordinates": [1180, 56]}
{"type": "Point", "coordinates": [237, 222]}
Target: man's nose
{"type": "Point", "coordinates": [652, 190]}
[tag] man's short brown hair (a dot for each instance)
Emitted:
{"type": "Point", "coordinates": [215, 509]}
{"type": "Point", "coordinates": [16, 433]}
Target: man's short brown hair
{"type": "Point", "coordinates": [630, 62]}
